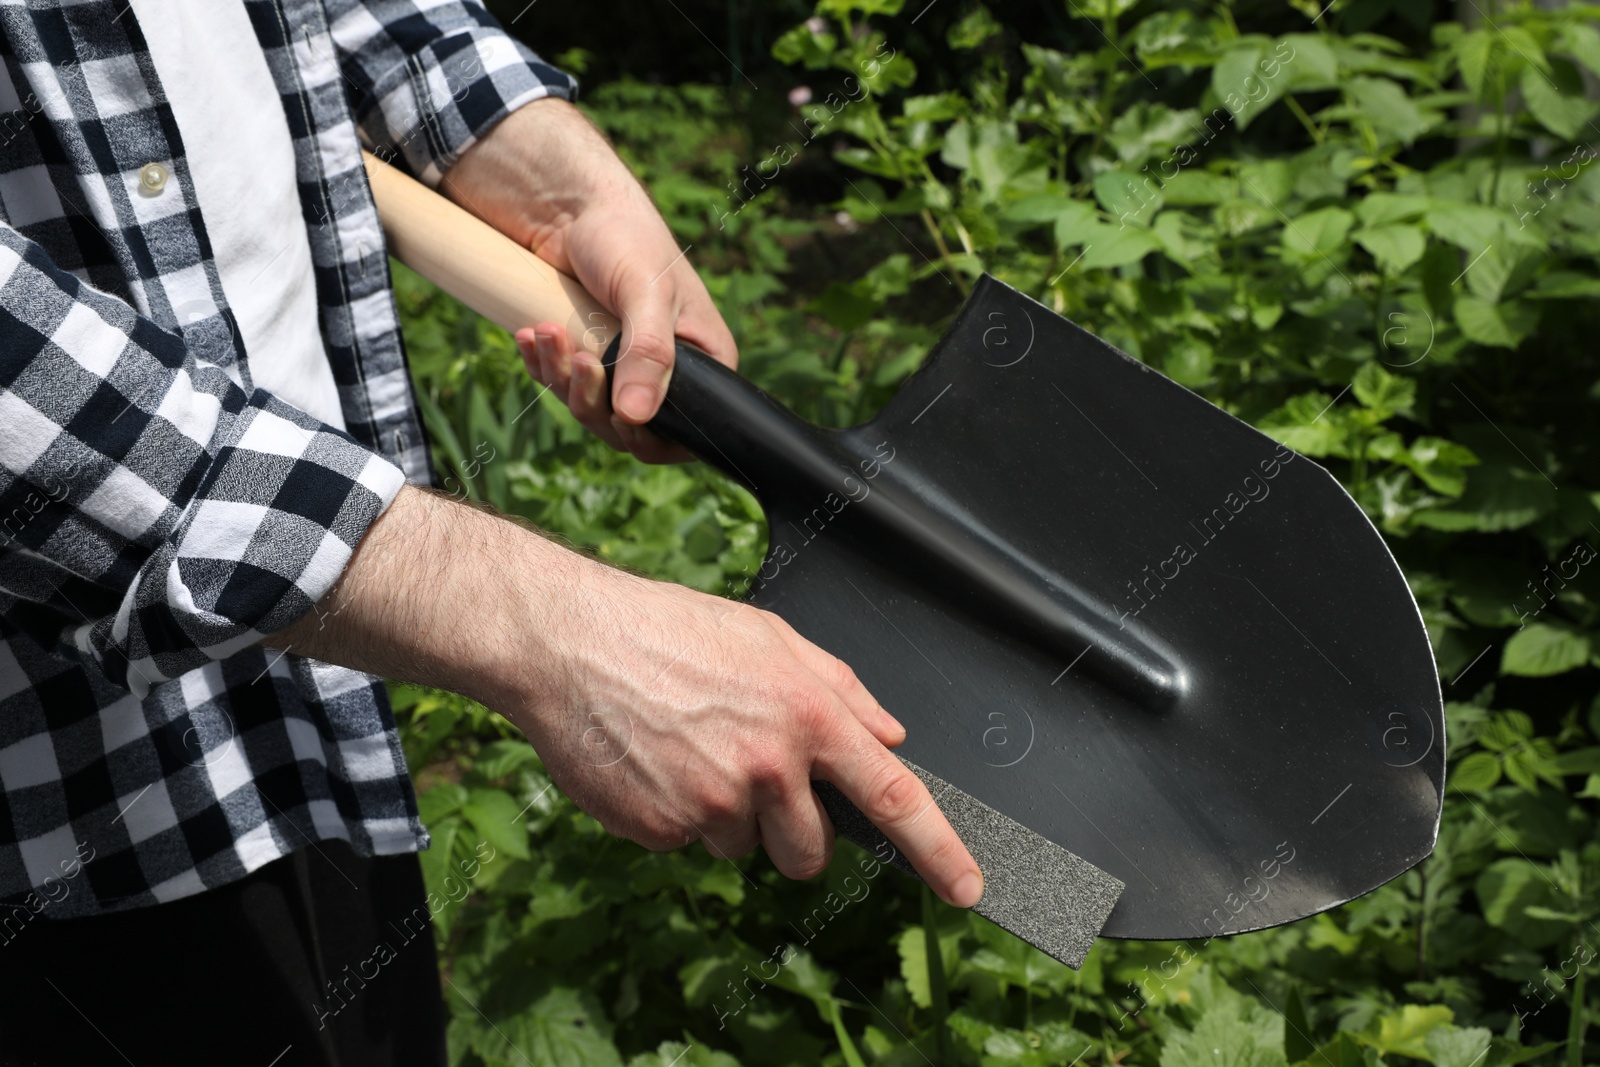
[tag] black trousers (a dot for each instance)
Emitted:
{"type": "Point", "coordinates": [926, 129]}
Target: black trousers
{"type": "Point", "coordinates": [280, 969]}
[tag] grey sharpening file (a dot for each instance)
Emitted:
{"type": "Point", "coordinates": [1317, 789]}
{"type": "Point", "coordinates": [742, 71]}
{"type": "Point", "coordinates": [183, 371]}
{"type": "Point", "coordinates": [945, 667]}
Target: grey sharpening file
{"type": "Point", "coordinates": [1034, 888]}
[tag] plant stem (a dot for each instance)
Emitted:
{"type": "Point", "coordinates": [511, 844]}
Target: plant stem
{"type": "Point", "coordinates": [939, 994]}
{"type": "Point", "coordinates": [1579, 1022]}
{"type": "Point", "coordinates": [1499, 138]}
{"type": "Point", "coordinates": [928, 220]}
{"type": "Point", "coordinates": [1305, 119]}
{"type": "Point", "coordinates": [1107, 91]}
{"type": "Point", "coordinates": [1422, 927]}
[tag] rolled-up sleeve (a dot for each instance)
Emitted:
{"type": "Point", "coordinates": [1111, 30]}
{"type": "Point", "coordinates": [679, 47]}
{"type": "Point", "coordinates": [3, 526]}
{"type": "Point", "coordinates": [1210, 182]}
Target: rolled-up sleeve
{"type": "Point", "coordinates": [427, 78]}
{"type": "Point", "coordinates": [155, 514]}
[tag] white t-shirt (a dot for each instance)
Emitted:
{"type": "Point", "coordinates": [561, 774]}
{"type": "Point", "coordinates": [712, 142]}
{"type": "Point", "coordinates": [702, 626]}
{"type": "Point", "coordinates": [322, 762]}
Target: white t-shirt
{"type": "Point", "coordinates": [241, 158]}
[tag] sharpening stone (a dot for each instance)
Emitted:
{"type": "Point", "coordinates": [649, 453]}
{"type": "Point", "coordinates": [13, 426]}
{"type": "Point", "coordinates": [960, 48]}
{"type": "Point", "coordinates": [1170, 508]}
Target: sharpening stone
{"type": "Point", "coordinates": [1034, 888]}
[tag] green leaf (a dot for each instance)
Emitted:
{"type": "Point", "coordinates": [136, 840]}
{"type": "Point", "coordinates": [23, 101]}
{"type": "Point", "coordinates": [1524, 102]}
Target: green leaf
{"type": "Point", "coordinates": [1239, 217]}
{"type": "Point", "coordinates": [1007, 957]}
{"type": "Point", "coordinates": [1382, 393]}
{"type": "Point", "coordinates": [800, 45]}
{"type": "Point", "coordinates": [1222, 1038]}
{"type": "Point", "coordinates": [1473, 227]}
{"type": "Point", "coordinates": [1457, 1047]}
{"type": "Point", "coordinates": [936, 107]}
{"type": "Point", "coordinates": [1578, 761]}
{"type": "Point", "coordinates": [1394, 116]}
{"type": "Point", "coordinates": [1045, 1045]}
{"type": "Point", "coordinates": [1268, 181]}
{"type": "Point", "coordinates": [1319, 233]}
{"type": "Point", "coordinates": [564, 1026]}
{"type": "Point", "coordinates": [1109, 246]}
{"type": "Point", "coordinates": [1581, 41]}
{"type": "Point", "coordinates": [1395, 246]}
{"type": "Point", "coordinates": [1241, 80]}
{"type": "Point", "coordinates": [846, 8]}
{"type": "Point", "coordinates": [1507, 729]}
{"type": "Point", "coordinates": [1439, 269]}
{"type": "Point", "coordinates": [1149, 131]}
{"type": "Point", "coordinates": [1311, 63]}
{"type": "Point", "coordinates": [1381, 209]}
{"type": "Point", "coordinates": [678, 1054]}
{"type": "Point", "coordinates": [1297, 1029]}
{"type": "Point", "coordinates": [1405, 1032]}
{"type": "Point", "coordinates": [846, 306]}
{"type": "Point", "coordinates": [1557, 99]}
{"type": "Point", "coordinates": [438, 863]}
{"type": "Point", "coordinates": [1542, 649]}
{"type": "Point", "coordinates": [1170, 37]}
{"type": "Point", "coordinates": [499, 759]}
{"type": "Point", "coordinates": [1477, 54]}
{"type": "Point", "coordinates": [440, 801]}
{"type": "Point", "coordinates": [1497, 497]}
{"type": "Point", "coordinates": [1198, 187]}
{"type": "Point", "coordinates": [914, 966]}
{"type": "Point", "coordinates": [496, 816]}
{"type": "Point", "coordinates": [1076, 223]}
{"type": "Point", "coordinates": [1504, 325]}
{"type": "Point", "coordinates": [1506, 889]}
{"type": "Point", "coordinates": [1439, 463]}
{"type": "Point", "coordinates": [1099, 9]}
{"type": "Point", "coordinates": [1476, 773]}
{"type": "Point", "coordinates": [1565, 285]}
{"type": "Point", "coordinates": [976, 27]}
{"type": "Point", "coordinates": [1127, 198]}
{"type": "Point", "coordinates": [1038, 207]}
{"type": "Point", "coordinates": [1309, 424]}
{"type": "Point", "coordinates": [1504, 270]}
{"type": "Point", "coordinates": [804, 976]}
{"type": "Point", "coordinates": [1189, 362]}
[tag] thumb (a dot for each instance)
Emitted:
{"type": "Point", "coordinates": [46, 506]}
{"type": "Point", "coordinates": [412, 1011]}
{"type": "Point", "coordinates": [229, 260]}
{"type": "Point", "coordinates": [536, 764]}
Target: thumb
{"type": "Point", "coordinates": [644, 359]}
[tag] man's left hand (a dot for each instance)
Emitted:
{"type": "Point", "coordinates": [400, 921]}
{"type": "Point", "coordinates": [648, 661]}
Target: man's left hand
{"type": "Point", "coordinates": [547, 178]}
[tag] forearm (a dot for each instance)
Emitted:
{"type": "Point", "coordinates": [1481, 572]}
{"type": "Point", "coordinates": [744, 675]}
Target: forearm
{"type": "Point", "coordinates": [446, 595]}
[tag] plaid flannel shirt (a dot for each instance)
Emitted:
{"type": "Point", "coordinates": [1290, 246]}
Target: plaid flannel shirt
{"type": "Point", "coordinates": [159, 514]}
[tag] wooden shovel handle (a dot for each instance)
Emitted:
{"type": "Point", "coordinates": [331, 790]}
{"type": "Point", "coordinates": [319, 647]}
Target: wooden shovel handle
{"type": "Point", "coordinates": [480, 266]}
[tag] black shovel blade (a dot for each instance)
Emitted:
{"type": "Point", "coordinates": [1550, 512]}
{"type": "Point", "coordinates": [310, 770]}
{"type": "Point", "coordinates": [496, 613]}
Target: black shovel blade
{"type": "Point", "coordinates": [1126, 620]}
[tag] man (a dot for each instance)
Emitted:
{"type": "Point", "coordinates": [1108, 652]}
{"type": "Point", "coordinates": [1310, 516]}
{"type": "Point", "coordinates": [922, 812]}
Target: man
{"type": "Point", "coordinates": [206, 436]}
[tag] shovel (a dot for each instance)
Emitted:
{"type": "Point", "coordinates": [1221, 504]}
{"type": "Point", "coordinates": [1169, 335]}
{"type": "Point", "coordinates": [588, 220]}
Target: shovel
{"type": "Point", "coordinates": [1160, 672]}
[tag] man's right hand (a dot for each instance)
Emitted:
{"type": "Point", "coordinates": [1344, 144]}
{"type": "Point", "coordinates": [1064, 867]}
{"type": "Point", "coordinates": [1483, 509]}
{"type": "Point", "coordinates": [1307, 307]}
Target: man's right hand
{"type": "Point", "coordinates": [668, 715]}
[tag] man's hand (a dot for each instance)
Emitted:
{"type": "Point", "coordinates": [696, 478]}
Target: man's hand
{"type": "Point", "coordinates": [546, 178]}
{"type": "Point", "coordinates": [669, 715]}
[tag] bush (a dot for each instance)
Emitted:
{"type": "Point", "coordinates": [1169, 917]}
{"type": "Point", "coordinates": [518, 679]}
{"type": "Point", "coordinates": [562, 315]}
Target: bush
{"type": "Point", "coordinates": [1382, 249]}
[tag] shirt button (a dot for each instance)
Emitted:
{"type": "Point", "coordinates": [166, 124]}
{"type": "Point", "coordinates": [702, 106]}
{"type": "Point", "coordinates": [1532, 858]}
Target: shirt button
{"type": "Point", "coordinates": [152, 179]}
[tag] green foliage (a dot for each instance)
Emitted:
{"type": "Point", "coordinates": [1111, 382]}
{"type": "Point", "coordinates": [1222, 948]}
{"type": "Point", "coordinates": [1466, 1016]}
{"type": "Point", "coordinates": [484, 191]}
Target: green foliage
{"type": "Point", "coordinates": [1376, 238]}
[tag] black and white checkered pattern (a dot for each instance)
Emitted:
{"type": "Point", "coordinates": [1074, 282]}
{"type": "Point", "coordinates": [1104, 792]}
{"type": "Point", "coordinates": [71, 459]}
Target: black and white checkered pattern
{"type": "Point", "coordinates": [159, 514]}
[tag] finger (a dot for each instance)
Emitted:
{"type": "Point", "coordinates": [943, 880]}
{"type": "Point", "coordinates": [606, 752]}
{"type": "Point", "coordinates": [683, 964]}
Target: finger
{"type": "Point", "coordinates": [899, 804]}
{"type": "Point", "coordinates": [796, 832]}
{"type": "Point", "coordinates": [644, 358]}
{"type": "Point", "coordinates": [837, 675]}
{"type": "Point", "coordinates": [730, 841]}
{"type": "Point", "coordinates": [554, 348]}
{"type": "Point", "coordinates": [527, 344]}
{"type": "Point", "coordinates": [547, 351]}
{"type": "Point", "coordinates": [586, 398]}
